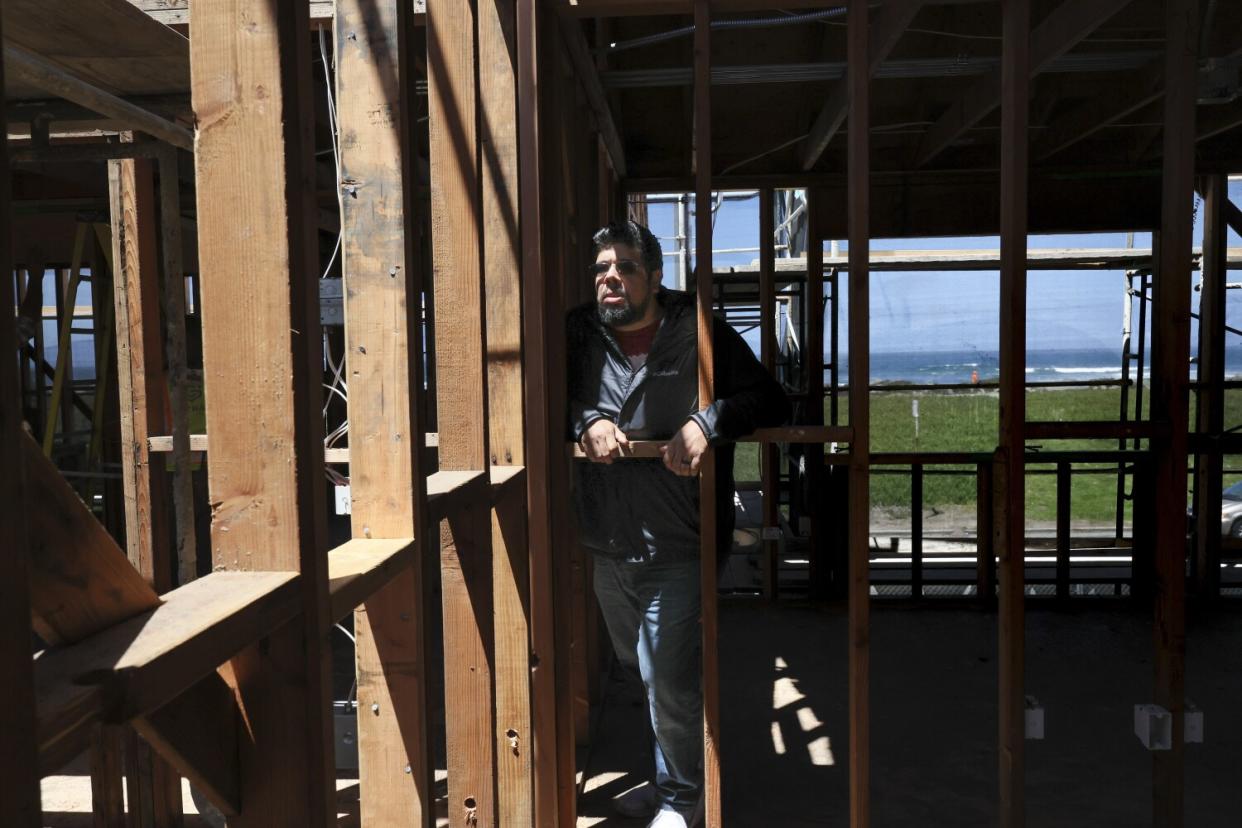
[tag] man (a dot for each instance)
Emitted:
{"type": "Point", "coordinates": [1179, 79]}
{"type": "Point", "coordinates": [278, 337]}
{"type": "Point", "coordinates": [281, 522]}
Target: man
{"type": "Point", "coordinates": [633, 375]}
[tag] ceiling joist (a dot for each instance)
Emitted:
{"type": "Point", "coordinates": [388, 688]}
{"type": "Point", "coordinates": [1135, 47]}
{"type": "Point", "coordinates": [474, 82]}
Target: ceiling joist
{"type": "Point", "coordinates": [891, 23]}
{"type": "Point", "coordinates": [1060, 31]}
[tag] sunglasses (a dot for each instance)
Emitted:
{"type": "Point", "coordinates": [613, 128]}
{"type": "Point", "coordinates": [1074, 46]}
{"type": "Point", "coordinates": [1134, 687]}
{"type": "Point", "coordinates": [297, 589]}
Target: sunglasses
{"type": "Point", "coordinates": [626, 267]}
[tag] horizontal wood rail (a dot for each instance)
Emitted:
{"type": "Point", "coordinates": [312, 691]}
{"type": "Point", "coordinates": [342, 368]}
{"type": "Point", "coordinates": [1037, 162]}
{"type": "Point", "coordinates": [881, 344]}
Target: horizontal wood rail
{"type": "Point", "coordinates": [1091, 430]}
{"type": "Point", "coordinates": [974, 458]}
{"type": "Point", "coordinates": [649, 449]}
{"type": "Point", "coordinates": [139, 665]}
{"type": "Point", "coordinates": [198, 442]}
{"type": "Point", "coordinates": [448, 491]}
{"type": "Point", "coordinates": [358, 568]}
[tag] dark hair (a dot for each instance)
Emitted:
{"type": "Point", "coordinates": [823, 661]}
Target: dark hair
{"type": "Point", "coordinates": [634, 235]}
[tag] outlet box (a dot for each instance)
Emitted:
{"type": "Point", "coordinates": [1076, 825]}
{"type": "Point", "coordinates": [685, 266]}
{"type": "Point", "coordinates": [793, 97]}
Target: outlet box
{"type": "Point", "coordinates": [1034, 718]}
{"type": "Point", "coordinates": [1153, 725]}
{"type": "Point", "coordinates": [1193, 725]}
{"type": "Point", "coordinates": [343, 503]}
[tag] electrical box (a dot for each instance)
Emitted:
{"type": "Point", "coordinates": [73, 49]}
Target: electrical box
{"type": "Point", "coordinates": [343, 503]}
{"type": "Point", "coordinates": [1153, 725]}
{"type": "Point", "coordinates": [331, 302]}
{"type": "Point", "coordinates": [345, 726]}
{"type": "Point", "coordinates": [1034, 718]}
{"type": "Point", "coordinates": [1193, 726]}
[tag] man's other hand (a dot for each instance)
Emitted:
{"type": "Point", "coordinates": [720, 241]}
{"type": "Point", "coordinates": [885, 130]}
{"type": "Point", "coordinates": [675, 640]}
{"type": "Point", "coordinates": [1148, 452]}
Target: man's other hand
{"type": "Point", "coordinates": [684, 452]}
{"type": "Point", "coordinates": [603, 441]}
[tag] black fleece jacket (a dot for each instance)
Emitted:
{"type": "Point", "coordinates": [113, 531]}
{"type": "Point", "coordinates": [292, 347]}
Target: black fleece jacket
{"type": "Point", "coordinates": [635, 508]}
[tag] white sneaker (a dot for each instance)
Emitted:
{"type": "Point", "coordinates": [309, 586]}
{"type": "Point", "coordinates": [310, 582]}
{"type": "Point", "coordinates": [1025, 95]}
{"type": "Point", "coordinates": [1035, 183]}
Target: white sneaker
{"type": "Point", "coordinates": [636, 803]}
{"type": "Point", "coordinates": [668, 819]}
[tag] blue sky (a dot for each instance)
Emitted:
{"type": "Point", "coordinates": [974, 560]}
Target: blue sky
{"type": "Point", "coordinates": [945, 311]}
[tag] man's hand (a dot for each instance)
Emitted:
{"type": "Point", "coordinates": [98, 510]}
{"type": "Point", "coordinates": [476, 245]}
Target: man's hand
{"type": "Point", "coordinates": [603, 441]}
{"type": "Point", "coordinates": [684, 452]}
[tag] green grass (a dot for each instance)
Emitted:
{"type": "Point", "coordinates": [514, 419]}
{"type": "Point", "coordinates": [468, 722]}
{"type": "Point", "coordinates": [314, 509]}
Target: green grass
{"type": "Point", "coordinates": [966, 421]}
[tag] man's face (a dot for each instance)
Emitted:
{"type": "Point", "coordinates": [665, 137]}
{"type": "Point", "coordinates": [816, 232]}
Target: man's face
{"type": "Point", "coordinates": [623, 287]}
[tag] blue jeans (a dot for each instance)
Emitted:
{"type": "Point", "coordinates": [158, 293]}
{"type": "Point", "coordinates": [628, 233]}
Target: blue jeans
{"type": "Point", "coordinates": [651, 609]}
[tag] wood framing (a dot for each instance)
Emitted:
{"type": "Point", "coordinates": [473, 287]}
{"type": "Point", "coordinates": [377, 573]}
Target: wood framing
{"type": "Point", "coordinates": [465, 537]}
{"type": "Point", "coordinates": [544, 370]}
{"type": "Point", "coordinates": [383, 343]}
{"type": "Point", "coordinates": [1065, 26]}
{"type": "Point", "coordinates": [19, 768]}
{"type": "Point", "coordinates": [892, 23]}
{"type": "Point", "coordinates": [141, 389]}
{"type": "Point", "coordinates": [501, 211]}
{"type": "Point", "coordinates": [707, 393]}
{"type": "Point", "coordinates": [769, 459]}
{"type": "Point", "coordinates": [262, 359]}
{"type": "Point", "coordinates": [1211, 401]}
{"type": "Point", "coordinates": [1170, 360]}
{"type": "Point", "coordinates": [859, 578]}
{"type": "Point", "coordinates": [1011, 471]}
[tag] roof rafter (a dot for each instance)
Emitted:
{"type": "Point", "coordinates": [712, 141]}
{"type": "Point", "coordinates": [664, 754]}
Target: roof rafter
{"type": "Point", "coordinates": [892, 22]}
{"type": "Point", "coordinates": [584, 68]}
{"type": "Point", "coordinates": [1093, 115]}
{"type": "Point", "coordinates": [1064, 27]}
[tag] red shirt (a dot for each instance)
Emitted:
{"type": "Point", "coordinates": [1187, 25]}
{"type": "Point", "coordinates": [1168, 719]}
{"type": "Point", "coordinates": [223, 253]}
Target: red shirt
{"type": "Point", "coordinates": [637, 344]}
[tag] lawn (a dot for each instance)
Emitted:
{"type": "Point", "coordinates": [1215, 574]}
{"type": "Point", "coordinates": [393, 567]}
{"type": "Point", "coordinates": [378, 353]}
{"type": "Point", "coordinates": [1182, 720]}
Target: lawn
{"type": "Point", "coordinates": [966, 421]}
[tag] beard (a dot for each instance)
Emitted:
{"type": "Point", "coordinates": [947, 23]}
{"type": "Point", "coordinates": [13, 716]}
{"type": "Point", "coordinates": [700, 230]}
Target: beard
{"type": "Point", "coordinates": [622, 314]}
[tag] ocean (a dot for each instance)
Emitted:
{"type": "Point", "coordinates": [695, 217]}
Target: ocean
{"type": "Point", "coordinates": [1046, 365]}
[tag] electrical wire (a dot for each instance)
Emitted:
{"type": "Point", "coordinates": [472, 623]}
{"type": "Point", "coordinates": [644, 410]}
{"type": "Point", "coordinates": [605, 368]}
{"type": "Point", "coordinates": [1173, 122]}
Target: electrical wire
{"type": "Point", "coordinates": [749, 23]}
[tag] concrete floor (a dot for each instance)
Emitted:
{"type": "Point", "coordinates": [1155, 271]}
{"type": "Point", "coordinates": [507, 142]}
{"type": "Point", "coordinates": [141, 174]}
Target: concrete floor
{"type": "Point", "coordinates": [933, 695]}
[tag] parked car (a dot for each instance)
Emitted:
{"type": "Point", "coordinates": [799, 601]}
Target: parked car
{"type": "Point", "coordinates": [1231, 511]}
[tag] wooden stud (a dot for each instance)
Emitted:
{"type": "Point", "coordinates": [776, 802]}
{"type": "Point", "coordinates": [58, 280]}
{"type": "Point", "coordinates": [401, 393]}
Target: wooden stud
{"type": "Point", "coordinates": [916, 531]}
{"type": "Point", "coordinates": [1170, 360]}
{"type": "Point", "coordinates": [1211, 363]}
{"type": "Point", "coordinates": [859, 155]}
{"type": "Point", "coordinates": [262, 361]}
{"type": "Point", "coordinates": [141, 389]}
{"type": "Point", "coordinates": [19, 768]}
{"type": "Point", "coordinates": [506, 432]}
{"type": "Point", "coordinates": [388, 490]}
{"type": "Point", "coordinates": [707, 393]}
{"type": "Point", "coordinates": [107, 797]}
{"type": "Point", "coordinates": [1065, 481]}
{"type": "Point", "coordinates": [769, 459]}
{"type": "Point", "coordinates": [1011, 528]}
{"type": "Point", "coordinates": [175, 349]}
{"type": "Point", "coordinates": [544, 368]}
{"type": "Point", "coordinates": [985, 547]}
{"type": "Point", "coordinates": [465, 538]}
{"type": "Point", "coordinates": [821, 567]}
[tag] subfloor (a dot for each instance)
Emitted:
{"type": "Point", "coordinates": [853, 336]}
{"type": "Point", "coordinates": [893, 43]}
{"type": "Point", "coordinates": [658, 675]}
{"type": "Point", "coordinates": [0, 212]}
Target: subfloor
{"type": "Point", "coordinates": [785, 741]}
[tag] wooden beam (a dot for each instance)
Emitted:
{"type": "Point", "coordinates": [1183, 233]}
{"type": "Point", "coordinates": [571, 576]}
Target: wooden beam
{"type": "Point", "coordinates": [360, 567]}
{"type": "Point", "coordinates": [769, 458]}
{"type": "Point", "coordinates": [893, 20]}
{"type": "Point", "coordinates": [588, 78]}
{"type": "Point", "coordinates": [388, 488]}
{"type": "Point", "coordinates": [859, 578]}
{"type": "Point", "coordinates": [1170, 360]}
{"type": "Point", "coordinates": [80, 580]}
{"type": "Point", "coordinates": [1210, 409]}
{"type": "Point", "coordinates": [1010, 469]}
{"type": "Point", "coordinates": [707, 393]}
{"type": "Point", "coordinates": [1092, 429]}
{"type": "Point", "coordinates": [136, 667]}
{"type": "Point", "coordinates": [141, 388]}
{"type": "Point", "coordinates": [1059, 32]}
{"type": "Point", "coordinates": [173, 297]}
{"type": "Point", "coordinates": [465, 540]}
{"type": "Point", "coordinates": [498, 113]}
{"type": "Point", "coordinates": [140, 367]}
{"type": "Point", "coordinates": [19, 769]}
{"type": "Point", "coordinates": [263, 362]}
{"type": "Point", "coordinates": [1084, 120]}
{"type": "Point", "coordinates": [196, 733]}
{"type": "Point", "coordinates": [543, 331]}
{"type": "Point", "coordinates": [28, 67]}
